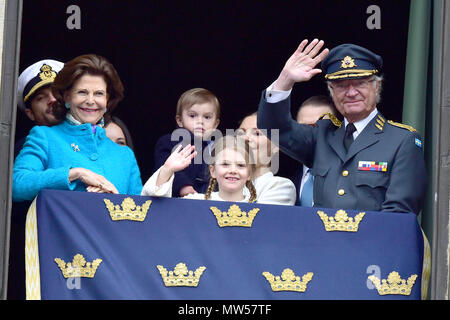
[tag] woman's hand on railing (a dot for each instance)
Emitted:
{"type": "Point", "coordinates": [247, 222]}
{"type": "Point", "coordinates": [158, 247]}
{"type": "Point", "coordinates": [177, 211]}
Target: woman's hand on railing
{"type": "Point", "coordinates": [93, 181]}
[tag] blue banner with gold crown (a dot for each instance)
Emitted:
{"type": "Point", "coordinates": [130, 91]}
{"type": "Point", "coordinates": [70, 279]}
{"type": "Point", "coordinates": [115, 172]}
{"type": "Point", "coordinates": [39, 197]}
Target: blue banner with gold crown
{"type": "Point", "coordinates": [94, 246]}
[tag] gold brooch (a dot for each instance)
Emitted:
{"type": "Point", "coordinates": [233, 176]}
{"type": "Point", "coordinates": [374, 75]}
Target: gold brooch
{"type": "Point", "coordinates": [289, 281]}
{"type": "Point", "coordinates": [129, 210]}
{"type": "Point", "coordinates": [348, 62]}
{"type": "Point", "coordinates": [181, 276]}
{"type": "Point", "coordinates": [394, 284]}
{"type": "Point", "coordinates": [234, 217]}
{"type": "Point", "coordinates": [78, 267]}
{"type": "Point", "coordinates": [341, 221]}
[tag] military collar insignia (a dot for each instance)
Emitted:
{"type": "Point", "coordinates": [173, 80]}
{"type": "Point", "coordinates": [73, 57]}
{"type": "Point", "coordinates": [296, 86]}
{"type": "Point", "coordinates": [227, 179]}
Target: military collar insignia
{"type": "Point", "coordinates": [348, 62]}
{"type": "Point", "coordinates": [379, 123]}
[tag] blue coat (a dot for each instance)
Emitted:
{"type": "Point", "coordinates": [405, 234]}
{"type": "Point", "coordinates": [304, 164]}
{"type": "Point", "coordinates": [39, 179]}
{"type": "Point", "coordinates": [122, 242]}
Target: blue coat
{"type": "Point", "coordinates": [49, 153]}
{"type": "Point", "coordinates": [340, 180]}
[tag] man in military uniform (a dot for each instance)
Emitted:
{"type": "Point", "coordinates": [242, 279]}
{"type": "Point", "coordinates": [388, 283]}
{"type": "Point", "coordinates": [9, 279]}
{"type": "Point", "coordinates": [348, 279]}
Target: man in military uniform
{"type": "Point", "coordinates": [35, 100]}
{"type": "Point", "coordinates": [365, 163]}
{"type": "Point", "coordinates": [34, 95]}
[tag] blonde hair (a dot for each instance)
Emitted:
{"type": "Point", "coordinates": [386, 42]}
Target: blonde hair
{"type": "Point", "coordinates": [197, 96]}
{"type": "Point", "coordinates": [239, 145]}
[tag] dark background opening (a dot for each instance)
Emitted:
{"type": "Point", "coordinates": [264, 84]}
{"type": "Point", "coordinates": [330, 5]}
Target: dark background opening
{"type": "Point", "coordinates": [233, 48]}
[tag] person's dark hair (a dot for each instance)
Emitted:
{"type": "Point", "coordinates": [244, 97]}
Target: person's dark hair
{"type": "Point", "coordinates": [319, 101]}
{"type": "Point", "coordinates": [91, 64]}
{"type": "Point", "coordinates": [254, 113]}
{"type": "Point", "coordinates": [121, 124]}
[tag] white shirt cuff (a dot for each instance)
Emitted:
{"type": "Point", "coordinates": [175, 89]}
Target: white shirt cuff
{"type": "Point", "coordinates": [274, 96]}
{"type": "Point", "coordinates": [151, 189]}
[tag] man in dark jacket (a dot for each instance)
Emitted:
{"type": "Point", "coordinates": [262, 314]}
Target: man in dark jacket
{"type": "Point", "coordinates": [368, 162]}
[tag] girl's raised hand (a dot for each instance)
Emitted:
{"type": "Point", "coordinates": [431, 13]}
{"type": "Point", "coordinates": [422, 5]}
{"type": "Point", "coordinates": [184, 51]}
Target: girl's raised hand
{"type": "Point", "coordinates": [179, 159]}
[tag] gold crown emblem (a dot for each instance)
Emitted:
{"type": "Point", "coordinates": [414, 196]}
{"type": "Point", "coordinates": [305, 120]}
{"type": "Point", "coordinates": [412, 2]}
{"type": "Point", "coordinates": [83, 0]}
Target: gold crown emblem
{"type": "Point", "coordinates": [394, 284]}
{"type": "Point", "coordinates": [129, 210]}
{"type": "Point", "coordinates": [181, 276]}
{"type": "Point", "coordinates": [234, 217]}
{"type": "Point", "coordinates": [47, 73]}
{"type": "Point", "coordinates": [341, 221]}
{"type": "Point", "coordinates": [289, 281]}
{"type": "Point", "coordinates": [348, 62]}
{"type": "Point", "coordinates": [78, 267]}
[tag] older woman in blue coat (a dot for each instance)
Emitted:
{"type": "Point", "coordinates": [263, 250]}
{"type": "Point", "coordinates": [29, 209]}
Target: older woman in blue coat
{"type": "Point", "coordinates": [76, 154]}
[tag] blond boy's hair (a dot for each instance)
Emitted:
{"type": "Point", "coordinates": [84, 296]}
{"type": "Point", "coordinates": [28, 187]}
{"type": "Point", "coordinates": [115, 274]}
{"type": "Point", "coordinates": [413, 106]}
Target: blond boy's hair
{"type": "Point", "coordinates": [197, 96]}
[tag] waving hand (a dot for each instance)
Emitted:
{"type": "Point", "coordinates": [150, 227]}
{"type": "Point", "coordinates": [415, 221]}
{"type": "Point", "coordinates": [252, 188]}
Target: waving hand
{"type": "Point", "coordinates": [178, 160]}
{"type": "Point", "coordinates": [301, 65]}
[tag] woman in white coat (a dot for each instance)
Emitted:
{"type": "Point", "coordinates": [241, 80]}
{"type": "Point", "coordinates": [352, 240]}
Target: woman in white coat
{"type": "Point", "coordinates": [270, 189]}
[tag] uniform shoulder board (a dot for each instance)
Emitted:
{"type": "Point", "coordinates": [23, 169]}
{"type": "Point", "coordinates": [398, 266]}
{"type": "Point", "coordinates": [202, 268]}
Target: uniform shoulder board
{"type": "Point", "coordinates": [333, 119]}
{"type": "Point", "coordinates": [401, 125]}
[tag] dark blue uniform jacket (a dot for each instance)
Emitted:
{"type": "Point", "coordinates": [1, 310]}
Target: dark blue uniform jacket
{"type": "Point", "coordinates": [340, 181]}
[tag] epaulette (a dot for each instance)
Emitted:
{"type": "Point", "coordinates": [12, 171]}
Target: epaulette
{"type": "Point", "coordinates": [333, 119]}
{"type": "Point", "coordinates": [401, 125]}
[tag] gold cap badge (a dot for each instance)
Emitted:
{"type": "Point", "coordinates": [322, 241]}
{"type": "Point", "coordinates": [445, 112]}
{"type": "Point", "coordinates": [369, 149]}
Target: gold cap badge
{"type": "Point", "coordinates": [348, 62]}
{"type": "Point", "coordinates": [47, 73]}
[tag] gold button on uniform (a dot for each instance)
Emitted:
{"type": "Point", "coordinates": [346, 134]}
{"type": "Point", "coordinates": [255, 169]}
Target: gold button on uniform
{"type": "Point", "coordinates": [341, 192]}
{"type": "Point", "coordinates": [345, 173]}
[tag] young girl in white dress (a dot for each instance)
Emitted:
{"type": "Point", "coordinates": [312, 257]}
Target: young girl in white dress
{"type": "Point", "coordinates": [231, 171]}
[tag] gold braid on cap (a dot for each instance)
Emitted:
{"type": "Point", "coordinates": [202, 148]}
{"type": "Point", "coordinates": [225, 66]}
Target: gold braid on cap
{"type": "Point", "coordinates": [47, 76]}
{"type": "Point", "coordinates": [342, 74]}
